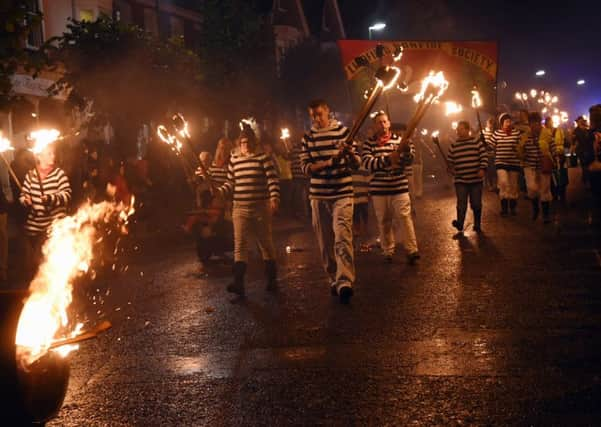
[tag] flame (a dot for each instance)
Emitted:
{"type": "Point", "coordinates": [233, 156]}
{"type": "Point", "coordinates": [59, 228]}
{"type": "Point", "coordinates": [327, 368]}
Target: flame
{"type": "Point", "coordinates": [454, 125]}
{"type": "Point", "coordinates": [183, 128]}
{"type": "Point", "coordinates": [169, 139]}
{"type": "Point", "coordinates": [518, 96]}
{"type": "Point", "coordinates": [453, 108]}
{"type": "Point", "coordinates": [424, 132]}
{"type": "Point", "coordinates": [533, 93]}
{"type": "Point", "coordinates": [554, 100]}
{"type": "Point", "coordinates": [392, 82]}
{"type": "Point", "coordinates": [4, 144]}
{"type": "Point", "coordinates": [285, 133]}
{"type": "Point", "coordinates": [524, 96]}
{"type": "Point", "coordinates": [435, 134]}
{"type": "Point", "coordinates": [399, 55]}
{"type": "Point", "coordinates": [68, 253]}
{"type": "Point", "coordinates": [433, 87]}
{"type": "Point", "coordinates": [43, 138]}
{"type": "Point", "coordinates": [476, 100]}
{"type": "Point", "coordinates": [555, 119]}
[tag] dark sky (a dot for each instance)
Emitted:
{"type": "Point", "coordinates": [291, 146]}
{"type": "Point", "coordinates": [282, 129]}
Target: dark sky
{"type": "Point", "coordinates": [564, 40]}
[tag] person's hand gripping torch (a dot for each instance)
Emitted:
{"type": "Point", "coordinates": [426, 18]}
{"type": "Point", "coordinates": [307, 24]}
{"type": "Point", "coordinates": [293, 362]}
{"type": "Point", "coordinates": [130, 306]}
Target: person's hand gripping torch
{"type": "Point", "coordinates": [386, 78]}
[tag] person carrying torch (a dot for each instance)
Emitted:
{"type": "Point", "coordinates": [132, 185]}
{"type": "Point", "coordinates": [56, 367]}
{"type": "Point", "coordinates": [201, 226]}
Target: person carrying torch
{"type": "Point", "coordinates": [467, 161]}
{"type": "Point", "coordinates": [505, 143]}
{"type": "Point", "coordinates": [46, 193]}
{"type": "Point", "coordinates": [253, 182]}
{"type": "Point", "coordinates": [386, 155]}
{"type": "Point", "coordinates": [327, 159]}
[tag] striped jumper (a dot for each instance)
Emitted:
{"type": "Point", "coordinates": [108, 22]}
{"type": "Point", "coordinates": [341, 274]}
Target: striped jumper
{"type": "Point", "coordinates": [218, 174]}
{"type": "Point", "coordinates": [297, 170]}
{"type": "Point", "coordinates": [386, 181]}
{"type": "Point", "coordinates": [467, 157]}
{"type": "Point", "coordinates": [321, 144]}
{"type": "Point", "coordinates": [361, 179]}
{"type": "Point", "coordinates": [533, 153]}
{"type": "Point", "coordinates": [505, 147]}
{"type": "Point", "coordinates": [56, 186]}
{"type": "Point", "coordinates": [251, 178]}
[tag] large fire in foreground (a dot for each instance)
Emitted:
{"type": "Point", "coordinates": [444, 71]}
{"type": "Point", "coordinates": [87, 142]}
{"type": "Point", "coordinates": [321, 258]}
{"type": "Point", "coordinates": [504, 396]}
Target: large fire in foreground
{"type": "Point", "coordinates": [67, 253]}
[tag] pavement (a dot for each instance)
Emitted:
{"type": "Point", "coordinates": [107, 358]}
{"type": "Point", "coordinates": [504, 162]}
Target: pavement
{"type": "Point", "coordinates": [500, 328]}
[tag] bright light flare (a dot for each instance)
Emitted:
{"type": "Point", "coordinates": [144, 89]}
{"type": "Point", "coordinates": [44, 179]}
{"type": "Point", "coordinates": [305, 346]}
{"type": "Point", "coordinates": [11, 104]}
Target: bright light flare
{"type": "Point", "coordinates": [435, 134]}
{"type": "Point", "coordinates": [556, 120]}
{"type": "Point", "coordinates": [533, 93]}
{"type": "Point", "coordinates": [454, 125]}
{"type": "Point", "coordinates": [393, 80]}
{"type": "Point", "coordinates": [554, 100]}
{"type": "Point", "coordinates": [181, 125]}
{"type": "Point", "coordinates": [5, 144]}
{"type": "Point", "coordinates": [424, 132]}
{"type": "Point", "coordinates": [452, 107]}
{"type": "Point", "coordinates": [433, 87]}
{"type": "Point", "coordinates": [67, 253]}
{"type": "Point", "coordinates": [285, 133]}
{"type": "Point", "coordinates": [580, 82]}
{"type": "Point", "coordinates": [540, 73]}
{"type": "Point", "coordinates": [518, 96]}
{"type": "Point", "coordinates": [42, 138]}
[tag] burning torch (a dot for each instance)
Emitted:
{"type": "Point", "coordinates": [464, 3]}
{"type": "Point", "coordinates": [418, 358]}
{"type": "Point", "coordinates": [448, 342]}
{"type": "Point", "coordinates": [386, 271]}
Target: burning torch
{"type": "Point", "coordinates": [476, 104]}
{"type": "Point", "coordinates": [5, 146]}
{"type": "Point", "coordinates": [285, 137]}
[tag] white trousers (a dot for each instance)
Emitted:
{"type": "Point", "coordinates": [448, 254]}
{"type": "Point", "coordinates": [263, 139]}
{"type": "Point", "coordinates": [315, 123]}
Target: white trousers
{"type": "Point", "coordinates": [538, 185]}
{"type": "Point", "coordinates": [507, 181]}
{"type": "Point", "coordinates": [394, 209]}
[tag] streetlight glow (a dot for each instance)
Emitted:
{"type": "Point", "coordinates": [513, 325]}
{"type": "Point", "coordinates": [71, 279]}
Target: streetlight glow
{"type": "Point", "coordinates": [378, 26]}
{"type": "Point", "coordinates": [540, 73]}
{"type": "Point", "coordinates": [580, 82]}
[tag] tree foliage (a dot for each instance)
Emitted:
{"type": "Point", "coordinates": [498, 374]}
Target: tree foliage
{"type": "Point", "coordinates": [130, 76]}
{"type": "Point", "coordinates": [16, 21]}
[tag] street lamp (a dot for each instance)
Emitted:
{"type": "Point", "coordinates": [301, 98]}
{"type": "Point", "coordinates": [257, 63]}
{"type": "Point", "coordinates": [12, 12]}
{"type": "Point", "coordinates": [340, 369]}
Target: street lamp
{"type": "Point", "coordinates": [580, 82]}
{"type": "Point", "coordinates": [540, 73]}
{"type": "Point", "coordinates": [378, 26]}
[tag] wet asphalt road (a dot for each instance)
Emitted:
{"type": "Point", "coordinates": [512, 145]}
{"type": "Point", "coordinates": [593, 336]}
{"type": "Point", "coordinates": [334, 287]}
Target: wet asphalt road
{"type": "Point", "coordinates": [502, 328]}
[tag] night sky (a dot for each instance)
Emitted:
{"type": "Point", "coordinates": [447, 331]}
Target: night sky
{"type": "Point", "coordinates": [563, 40]}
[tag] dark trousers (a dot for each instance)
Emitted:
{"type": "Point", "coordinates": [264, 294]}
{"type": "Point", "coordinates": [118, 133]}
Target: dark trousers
{"type": "Point", "coordinates": [300, 197]}
{"type": "Point", "coordinates": [465, 191]}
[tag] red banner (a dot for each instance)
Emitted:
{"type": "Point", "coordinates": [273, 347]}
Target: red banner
{"type": "Point", "coordinates": [465, 64]}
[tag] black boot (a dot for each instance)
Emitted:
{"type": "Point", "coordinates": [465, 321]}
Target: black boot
{"type": "Point", "coordinates": [535, 209]}
{"type": "Point", "coordinates": [238, 286]}
{"type": "Point", "coordinates": [271, 272]}
{"type": "Point", "coordinates": [504, 207]}
{"type": "Point", "coordinates": [546, 212]}
{"type": "Point", "coordinates": [512, 205]}
{"type": "Point", "coordinates": [477, 220]}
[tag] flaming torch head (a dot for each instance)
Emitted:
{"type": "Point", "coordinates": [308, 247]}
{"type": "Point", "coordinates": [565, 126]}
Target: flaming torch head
{"type": "Point", "coordinates": [180, 125]}
{"type": "Point", "coordinates": [42, 139]}
{"type": "Point", "coordinates": [476, 100]}
{"type": "Point", "coordinates": [433, 87]}
{"type": "Point", "coordinates": [4, 144]}
{"type": "Point", "coordinates": [285, 134]}
{"type": "Point", "coordinates": [169, 139]}
{"type": "Point", "coordinates": [387, 76]}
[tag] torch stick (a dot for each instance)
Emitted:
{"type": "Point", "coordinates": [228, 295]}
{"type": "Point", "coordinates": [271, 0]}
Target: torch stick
{"type": "Point", "coordinates": [92, 333]}
{"type": "Point", "coordinates": [476, 103]}
{"type": "Point", "coordinates": [12, 172]}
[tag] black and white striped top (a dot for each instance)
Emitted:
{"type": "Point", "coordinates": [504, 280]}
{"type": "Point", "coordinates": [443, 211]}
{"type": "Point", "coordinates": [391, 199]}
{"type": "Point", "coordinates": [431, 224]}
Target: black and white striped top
{"type": "Point", "coordinates": [320, 145]}
{"type": "Point", "coordinates": [295, 163]}
{"type": "Point", "coordinates": [506, 149]}
{"type": "Point", "coordinates": [467, 157]}
{"type": "Point", "coordinates": [251, 178]}
{"type": "Point", "coordinates": [361, 178]}
{"type": "Point", "coordinates": [218, 174]}
{"type": "Point", "coordinates": [386, 181]}
{"type": "Point", "coordinates": [56, 186]}
{"type": "Point", "coordinates": [533, 152]}
{"type": "Point", "coordinates": [487, 139]}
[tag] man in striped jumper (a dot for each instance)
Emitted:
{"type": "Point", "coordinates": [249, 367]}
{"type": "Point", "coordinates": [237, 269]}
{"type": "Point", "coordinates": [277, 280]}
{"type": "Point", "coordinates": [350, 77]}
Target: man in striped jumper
{"type": "Point", "coordinates": [46, 193]}
{"type": "Point", "coordinates": [468, 162]}
{"type": "Point", "coordinates": [252, 181]}
{"type": "Point", "coordinates": [386, 155]}
{"type": "Point", "coordinates": [324, 159]}
{"type": "Point", "coordinates": [538, 150]}
{"type": "Point", "coordinates": [505, 142]}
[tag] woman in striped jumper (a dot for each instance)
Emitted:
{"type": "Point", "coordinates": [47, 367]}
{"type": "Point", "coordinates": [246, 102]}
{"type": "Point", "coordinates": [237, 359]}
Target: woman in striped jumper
{"type": "Point", "coordinates": [252, 181]}
{"type": "Point", "coordinates": [386, 156]}
{"type": "Point", "coordinates": [538, 166]}
{"type": "Point", "coordinates": [46, 193]}
{"type": "Point", "coordinates": [468, 161]}
{"type": "Point", "coordinates": [505, 142]}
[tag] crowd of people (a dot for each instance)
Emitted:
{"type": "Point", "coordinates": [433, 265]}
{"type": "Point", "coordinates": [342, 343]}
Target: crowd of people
{"type": "Point", "coordinates": [324, 177]}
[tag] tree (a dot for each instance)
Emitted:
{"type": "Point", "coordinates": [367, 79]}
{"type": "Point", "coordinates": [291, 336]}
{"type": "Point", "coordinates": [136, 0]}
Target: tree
{"type": "Point", "coordinates": [16, 22]}
{"type": "Point", "coordinates": [237, 55]}
{"type": "Point", "coordinates": [130, 76]}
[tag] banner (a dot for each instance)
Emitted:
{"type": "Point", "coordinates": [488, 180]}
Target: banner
{"type": "Point", "coordinates": [465, 64]}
